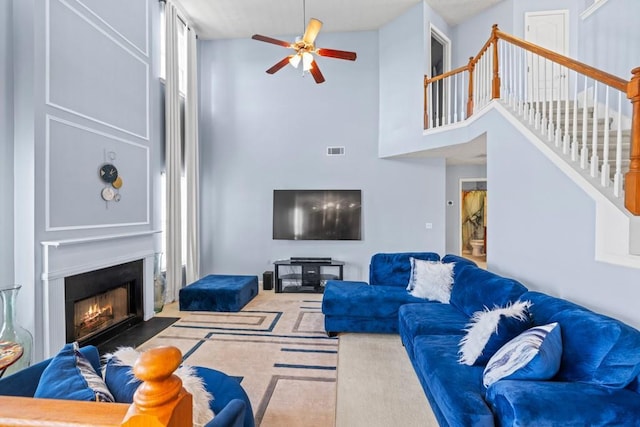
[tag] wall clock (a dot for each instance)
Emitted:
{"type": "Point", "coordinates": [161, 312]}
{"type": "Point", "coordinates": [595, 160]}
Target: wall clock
{"type": "Point", "coordinates": [108, 193]}
{"type": "Point", "coordinates": [108, 173]}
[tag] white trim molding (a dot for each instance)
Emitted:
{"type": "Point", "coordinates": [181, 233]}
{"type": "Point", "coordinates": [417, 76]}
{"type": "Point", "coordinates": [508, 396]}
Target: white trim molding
{"type": "Point", "coordinates": [63, 258]}
{"type": "Point", "coordinates": [49, 102]}
{"type": "Point", "coordinates": [48, 226]}
{"type": "Point", "coordinates": [597, 4]}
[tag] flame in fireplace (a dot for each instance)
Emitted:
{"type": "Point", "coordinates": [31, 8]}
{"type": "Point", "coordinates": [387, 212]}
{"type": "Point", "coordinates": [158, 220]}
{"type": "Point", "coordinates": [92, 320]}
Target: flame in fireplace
{"type": "Point", "coordinates": [96, 316]}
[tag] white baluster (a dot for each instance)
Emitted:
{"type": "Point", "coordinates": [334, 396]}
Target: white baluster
{"type": "Point", "coordinates": [543, 123]}
{"type": "Point", "coordinates": [521, 60]}
{"type": "Point", "coordinates": [574, 140]}
{"type": "Point", "coordinates": [617, 178]}
{"type": "Point", "coordinates": [437, 83]}
{"type": "Point", "coordinates": [565, 138]}
{"type": "Point", "coordinates": [535, 85]}
{"type": "Point", "coordinates": [594, 137]}
{"type": "Point", "coordinates": [551, 127]}
{"type": "Point", "coordinates": [558, 108]}
{"type": "Point", "coordinates": [456, 78]}
{"type": "Point", "coordinates": [605, 171]}
{"type": "Point", "coordinates": [432, 107]}
{"type": "Point", "coordinates": [584, 151]}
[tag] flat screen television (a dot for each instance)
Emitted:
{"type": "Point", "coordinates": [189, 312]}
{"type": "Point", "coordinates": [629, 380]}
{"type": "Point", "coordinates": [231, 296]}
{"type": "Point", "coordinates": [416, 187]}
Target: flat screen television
{"type": "Point", "coordinates": [317, 214]}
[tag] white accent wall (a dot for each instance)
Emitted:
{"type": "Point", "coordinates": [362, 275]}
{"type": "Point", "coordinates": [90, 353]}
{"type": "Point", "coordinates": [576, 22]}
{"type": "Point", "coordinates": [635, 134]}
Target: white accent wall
{"type": "Point", "coordinates": [260, 132]}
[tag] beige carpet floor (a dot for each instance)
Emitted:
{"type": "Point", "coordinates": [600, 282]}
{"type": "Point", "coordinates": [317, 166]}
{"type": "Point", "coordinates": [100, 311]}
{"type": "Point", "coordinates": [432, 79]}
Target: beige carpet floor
{"type": "Point", "coordinates": [377, 386]}
{"type": "Point", "coordinates": [277, 345]}
{"type": "Point", "coordinates": [293, 373]}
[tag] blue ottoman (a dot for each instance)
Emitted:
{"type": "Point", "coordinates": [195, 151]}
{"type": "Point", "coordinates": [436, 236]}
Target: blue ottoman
{"type": "Point", "coordinates": [218, 292]}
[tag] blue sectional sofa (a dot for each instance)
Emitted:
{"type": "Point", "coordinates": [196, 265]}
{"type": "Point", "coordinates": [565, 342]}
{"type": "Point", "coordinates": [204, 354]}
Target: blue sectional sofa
{"type": "Point", "coordinates": [230, 405]}
{"type": "Point", "coordinates": [597, 384]}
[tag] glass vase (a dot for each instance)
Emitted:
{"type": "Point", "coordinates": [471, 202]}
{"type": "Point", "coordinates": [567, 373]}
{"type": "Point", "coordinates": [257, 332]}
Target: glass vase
{"type": "Point", "coordinates": [11, 332]}
{"type": "Point", "coordinates": [159, 283]}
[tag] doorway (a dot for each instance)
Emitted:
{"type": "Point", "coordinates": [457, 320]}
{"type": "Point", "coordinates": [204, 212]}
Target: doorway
{"type": "Point", "coordinates": [473, 219]}
{"type": "Point", "coordinates": [549, 29]}
{"type": "Point", "coordinates": [440, 62]}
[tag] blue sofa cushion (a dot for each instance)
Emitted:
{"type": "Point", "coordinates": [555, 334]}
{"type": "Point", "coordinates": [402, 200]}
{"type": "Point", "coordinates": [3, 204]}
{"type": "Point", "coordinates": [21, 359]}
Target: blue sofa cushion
{"type": "Point", "coordinates": [357, 299]}
{"type": "Point", "coordinates": [533, 355]}
{"type": "Point", "coordinates": [552, 403]}
{"type": "Point", "coordinates": [394, 269]}
{"type": "Point", "coordinates": [459, 262]}
{"type": "Point", "coordinates": [70, 375]}
{"type": "Point", "coordinates": [120, 380]}
{"type": "Point", "coordinates": [596, 348]}
{"type": "Point", "coordinates": [475, 288]}
{"type": "Point", "coordinates": [456, 389]}
{"type": "Point", "coordinates": [429, 319]}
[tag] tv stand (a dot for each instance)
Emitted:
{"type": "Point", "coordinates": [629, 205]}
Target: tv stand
{"type": "Point", "coordinates": [306, 274]}
{"type": "Point", "coordinates": [310, 260]}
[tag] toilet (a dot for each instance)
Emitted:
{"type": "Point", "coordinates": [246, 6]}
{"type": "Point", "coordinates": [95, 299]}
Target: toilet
{"type": "Point", "coordinates": [476, 247]}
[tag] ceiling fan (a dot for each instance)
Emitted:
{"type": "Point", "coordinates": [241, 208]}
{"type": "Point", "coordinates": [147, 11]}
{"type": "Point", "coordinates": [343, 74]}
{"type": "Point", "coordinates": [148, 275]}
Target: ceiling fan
{"type": "Point", "coordinates": [305, 49]}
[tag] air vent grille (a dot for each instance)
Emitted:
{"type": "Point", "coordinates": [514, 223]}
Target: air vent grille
{"type": "Point", "coordinates": [335, 151]}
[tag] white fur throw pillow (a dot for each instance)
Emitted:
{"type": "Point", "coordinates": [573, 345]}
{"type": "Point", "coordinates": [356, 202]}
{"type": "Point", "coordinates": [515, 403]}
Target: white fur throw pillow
{"type": "Point", "coordinates": [432, 280]}
{"type": "Point", "coordinates": [191, 382]}
{"type": "Point", "coordinates": [491, 329]}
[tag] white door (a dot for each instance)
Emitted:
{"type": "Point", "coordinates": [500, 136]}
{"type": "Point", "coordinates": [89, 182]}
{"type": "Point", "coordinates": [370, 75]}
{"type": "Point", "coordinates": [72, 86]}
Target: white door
{"type": "Point", "coordinates": [547, 81]}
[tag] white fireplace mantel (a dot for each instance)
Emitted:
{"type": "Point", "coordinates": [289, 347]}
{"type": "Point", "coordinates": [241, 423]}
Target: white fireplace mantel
{"type": "Point", "coordinates": [63, 258]}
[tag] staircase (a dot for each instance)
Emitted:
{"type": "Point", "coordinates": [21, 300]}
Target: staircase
{"type": "Point", "coordinates": [582, 112]}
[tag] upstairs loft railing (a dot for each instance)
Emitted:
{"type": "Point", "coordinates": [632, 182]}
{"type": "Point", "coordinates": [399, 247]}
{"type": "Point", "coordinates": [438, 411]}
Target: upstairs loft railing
{"type": "Point", "coordinates": [573, 105]}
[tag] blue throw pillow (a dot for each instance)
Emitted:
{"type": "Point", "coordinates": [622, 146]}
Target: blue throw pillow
{"type": "Point", "coordinates": [120, 380]}
{"type": "Point", "coordinates": [70, 376]}
{"type": "Point", "coordinates": [491, 329]}
{"type": "Point", "coordinates": [533, 355]}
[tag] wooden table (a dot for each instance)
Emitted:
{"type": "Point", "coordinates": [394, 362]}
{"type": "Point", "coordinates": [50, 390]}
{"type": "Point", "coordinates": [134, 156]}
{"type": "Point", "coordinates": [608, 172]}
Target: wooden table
{"type": "Point", "coordinates": [10, 353]}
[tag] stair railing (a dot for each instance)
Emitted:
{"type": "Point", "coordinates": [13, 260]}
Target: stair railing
{"type": "Point", "coordinates": [576, 107]}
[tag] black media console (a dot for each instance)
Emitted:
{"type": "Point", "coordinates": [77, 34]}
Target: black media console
{"type": "Point", "coordinates": [306, 274]}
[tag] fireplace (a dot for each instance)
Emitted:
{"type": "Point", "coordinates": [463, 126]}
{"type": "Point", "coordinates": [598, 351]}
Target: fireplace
{"type": "Point", "coordinates": [103, 303]}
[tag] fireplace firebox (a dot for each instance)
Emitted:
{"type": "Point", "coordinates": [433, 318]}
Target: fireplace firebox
{"type": "Point", "coordinates": [103, 303]}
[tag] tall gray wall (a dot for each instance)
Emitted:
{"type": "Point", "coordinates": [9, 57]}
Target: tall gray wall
{"type": "Point", "coordinates": [85, 85]}
{"type": "Point", "coordinates": [261, 132]}
{"type": "Point", "coordinates": [542, 229]}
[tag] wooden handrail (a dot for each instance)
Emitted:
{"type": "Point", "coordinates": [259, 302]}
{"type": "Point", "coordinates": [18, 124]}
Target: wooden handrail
{"type": "Point", "coordinates": [160, 401]}
{"type": "Point", "coordinates": [428, 80]}
{"type": "Point", "coordinates": [594, 73]}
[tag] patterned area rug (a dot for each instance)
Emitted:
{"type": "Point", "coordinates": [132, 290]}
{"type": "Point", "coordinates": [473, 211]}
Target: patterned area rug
{"type": "Point", "coordinates": [277, 346]}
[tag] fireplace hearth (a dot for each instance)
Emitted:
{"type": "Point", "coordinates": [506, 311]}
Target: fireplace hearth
{"type": "Point", "coordinates": [103, 303]}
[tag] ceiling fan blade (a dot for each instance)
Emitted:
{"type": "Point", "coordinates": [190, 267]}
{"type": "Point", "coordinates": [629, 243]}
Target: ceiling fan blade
{"type": "Point", "coordinates": [315, 72]}
{"type": "Point", "coordinates": [313, 28]}
{"type": "Point", "coordinates": [279, 65]}
{"type": "Point", "coordinates": [270, 40]}
{"type": "Point", "coordinates": [339, 54]}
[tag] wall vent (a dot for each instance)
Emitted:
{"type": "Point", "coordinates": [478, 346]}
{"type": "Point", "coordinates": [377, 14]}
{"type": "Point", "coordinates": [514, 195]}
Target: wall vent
{"type": "Point", "coordinates": [335, 151]}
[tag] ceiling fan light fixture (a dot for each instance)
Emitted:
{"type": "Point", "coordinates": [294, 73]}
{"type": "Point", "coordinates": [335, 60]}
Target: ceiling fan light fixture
{"type": "Point", "coordinates": [295, 60]}
{"type": "Point", "coordinates": [307, 60]}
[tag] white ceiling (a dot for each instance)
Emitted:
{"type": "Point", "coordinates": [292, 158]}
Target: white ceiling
{"type": "Point", "coordinates": [223, 19]}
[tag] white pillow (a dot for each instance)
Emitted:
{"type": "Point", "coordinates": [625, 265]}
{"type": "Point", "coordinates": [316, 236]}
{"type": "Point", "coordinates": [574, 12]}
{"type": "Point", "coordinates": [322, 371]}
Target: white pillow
{"type": "Point", "coordinates": [432, 280]}
{"type": "Point", "coordinates": [491, 329]}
